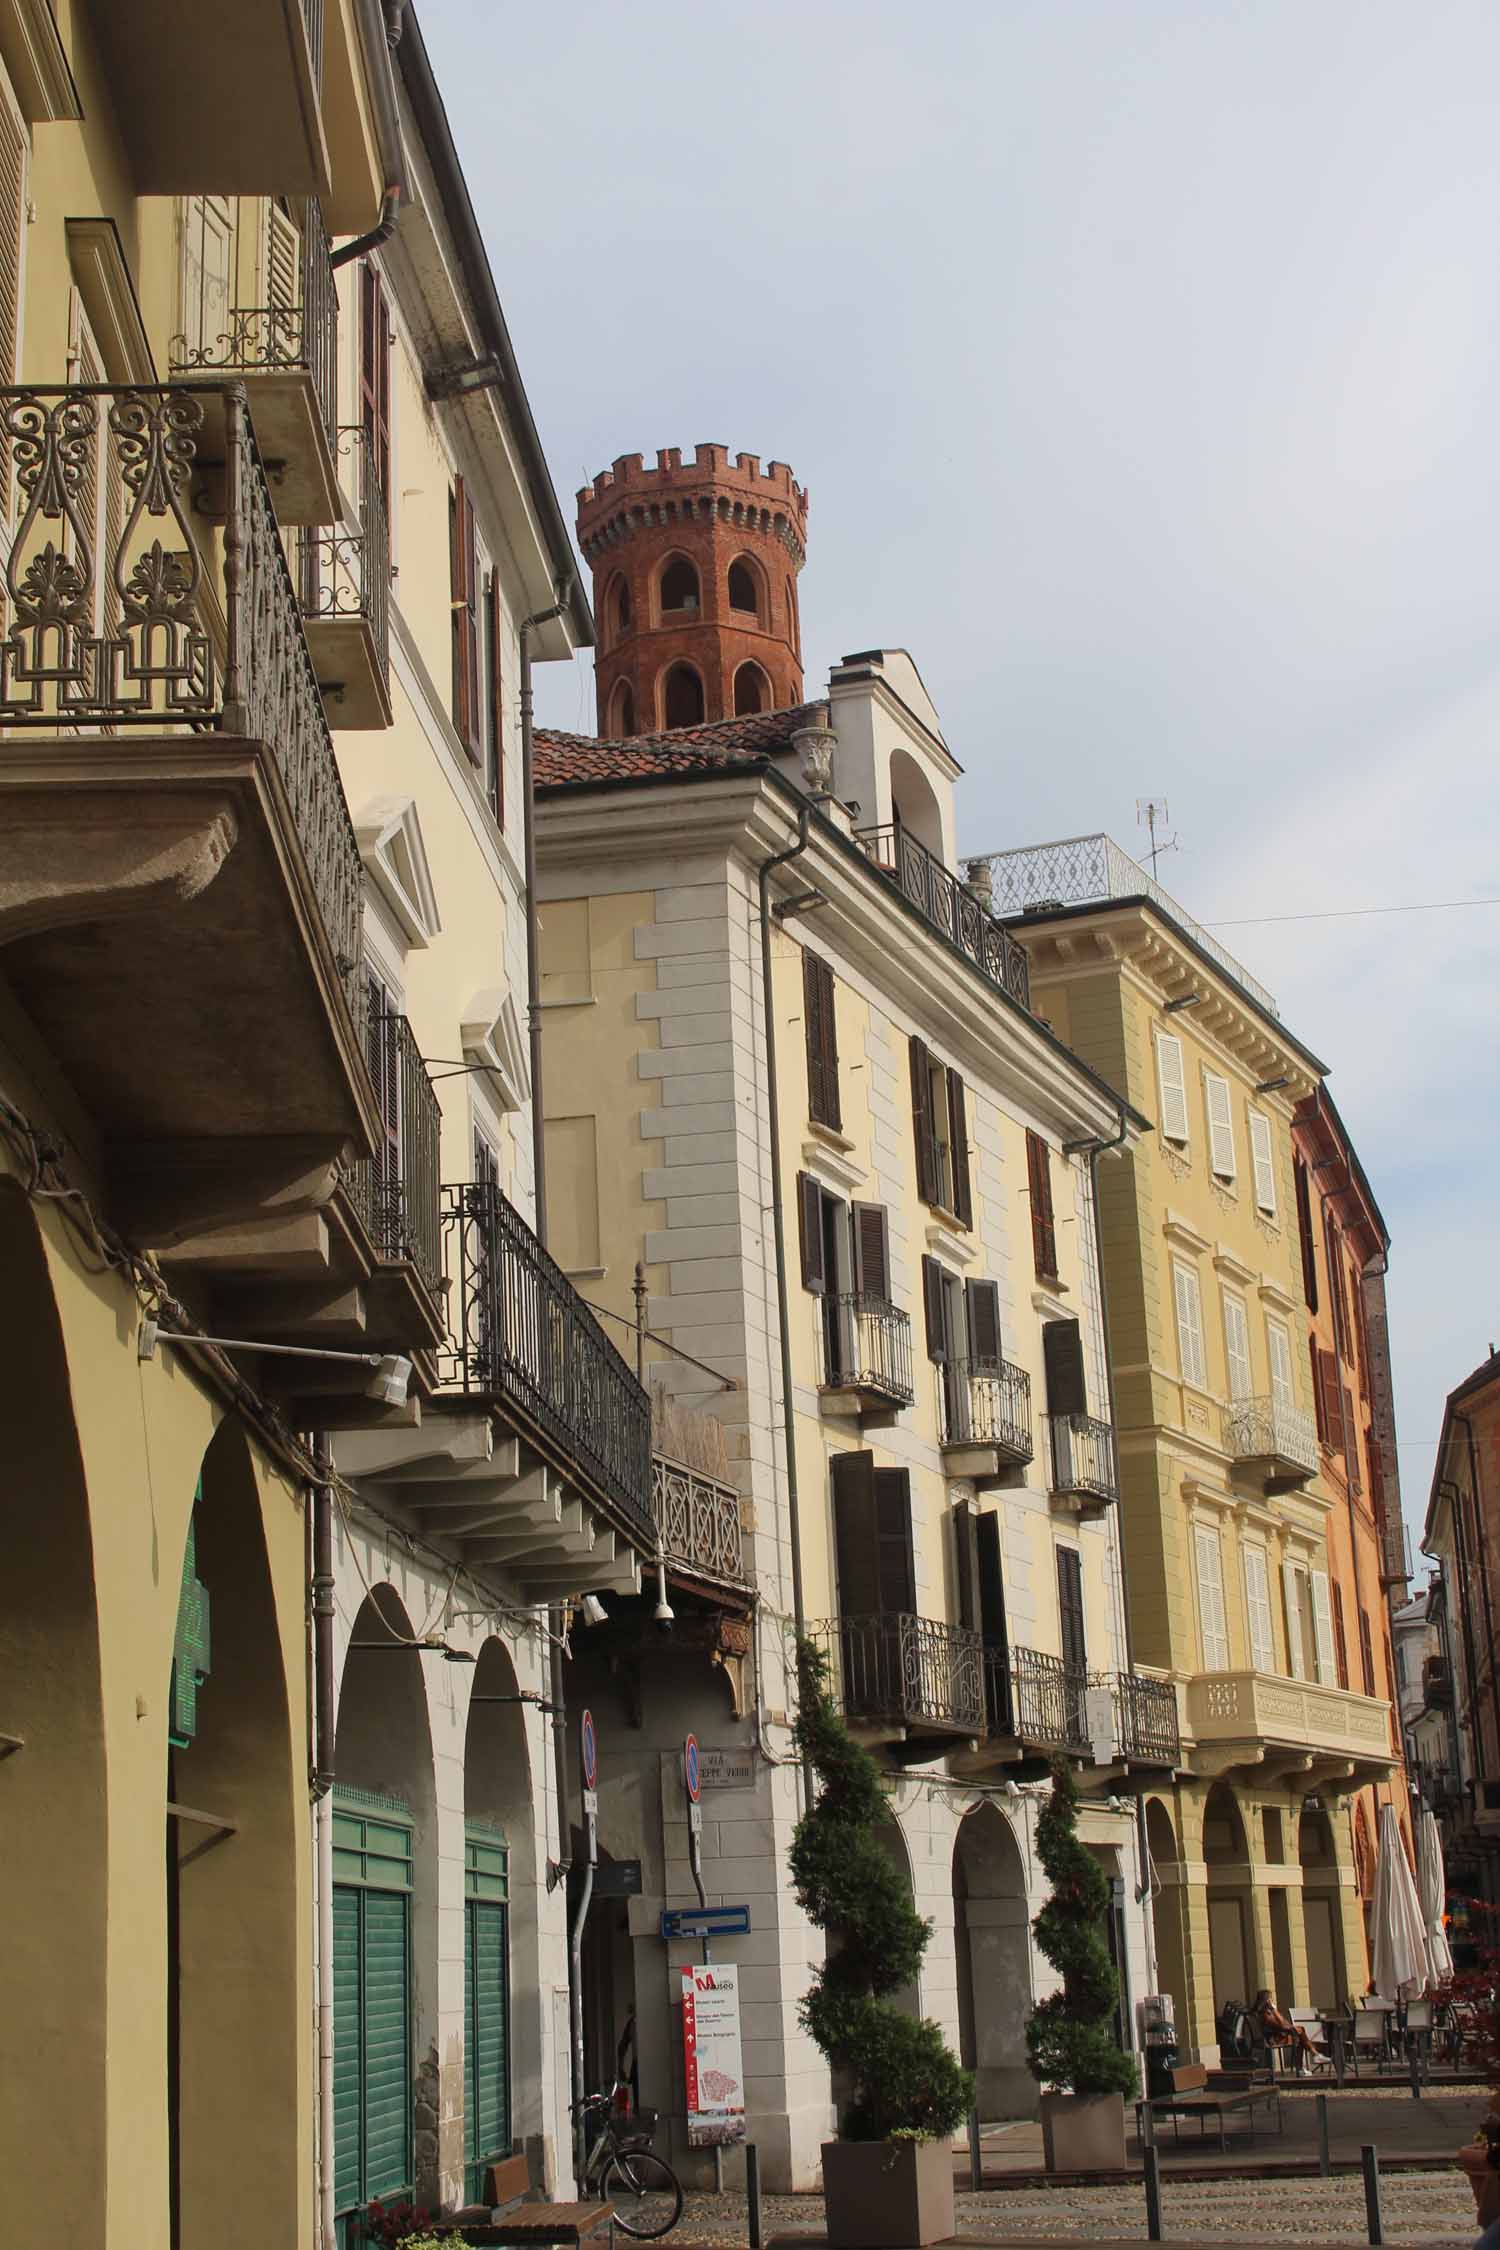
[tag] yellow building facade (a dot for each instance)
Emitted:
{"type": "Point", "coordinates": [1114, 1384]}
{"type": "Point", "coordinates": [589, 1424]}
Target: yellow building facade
{"type": "Point", "coordinates": [1224, 1501]}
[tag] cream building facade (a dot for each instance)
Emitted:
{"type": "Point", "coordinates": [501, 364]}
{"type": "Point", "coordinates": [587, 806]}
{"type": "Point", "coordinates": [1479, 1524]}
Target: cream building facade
{"type": "Point", "coordinates": [948, 1525]}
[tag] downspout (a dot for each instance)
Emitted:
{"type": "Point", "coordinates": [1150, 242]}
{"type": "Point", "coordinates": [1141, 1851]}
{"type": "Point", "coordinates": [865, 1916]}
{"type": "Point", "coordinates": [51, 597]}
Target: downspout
{"type": "Point", "coordinates": [384, 228]}
{"type": "Point", "coordinates": [322, 1788]}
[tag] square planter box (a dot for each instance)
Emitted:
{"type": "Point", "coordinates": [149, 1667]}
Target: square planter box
{"type": "Point", "coordinates": [1083, 2132]}
{"type": "Point", "coordinates": [887, 2195]}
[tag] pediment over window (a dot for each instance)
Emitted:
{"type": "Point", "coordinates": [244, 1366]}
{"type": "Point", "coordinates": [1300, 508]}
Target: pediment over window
{"type": "Point", "coordinates": [390, 844]}
{"type": "Point", "coordinates": [494, 1042]}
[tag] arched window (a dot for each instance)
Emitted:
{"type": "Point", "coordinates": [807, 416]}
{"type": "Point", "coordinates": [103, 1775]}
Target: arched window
{"type": "Point", "coordinates": [679, 585]}
{"type": "Point", "coordinates": [791, 619]}
{"type": "Point", "coordinates": [752, 691]}
{"type": "Point", "coordinates": [622, 713]}
{"type": "Point", "coordinates": [617, 610]}
{"type": "Point", "coordinates": [744, 587]}
{"type": "Point", "coordinates": [682, 697]}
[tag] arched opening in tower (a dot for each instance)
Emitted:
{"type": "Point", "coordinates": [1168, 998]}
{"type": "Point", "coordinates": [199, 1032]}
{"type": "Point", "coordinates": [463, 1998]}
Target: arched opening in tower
{"type": "Point", "coordinates": [752, 691]}
{"type": "Point", "coordinates": [679, 585]}
{"type": "Point", "coordinates": [682, 699]}
{"type": "Point", "coordinates": [744, 587]}
{"type": "Point", "coordinates": [622, 714]}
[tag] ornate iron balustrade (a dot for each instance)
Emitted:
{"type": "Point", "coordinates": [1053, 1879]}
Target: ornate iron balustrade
{"type": "Point", "coordinates": [986, 1402]}
{"type": "Point", "coordinates": [1264, 1429]}
{"type": "Point", "coordinates": [1038, 1698]}
{"type": "Point", "coordinates": [111, 608]}
{"type": "Point", "coordinates": [396, 1193]}
{"type": "Point", "coordinates": [294, 334]}
{"type": "Point", "coordinates": [914, 1671]}
{"type": "Point", "coordinates": [950, 907]}
{"type": "Point", "coordinates": [345, 569]}
{"type": "Point", "coordinates": [1080, 870]}
{"type": "Point", "coordinates": [524, 1336]}
{"type": "Point", "coordinates": [1146, 1719]}
{"type": "Point", "coordinates": [698, 1518]}
{"type": "Point", "coordinates": [1083, 1457]}
{"type": "Point", "coordinates": [867, 1347]}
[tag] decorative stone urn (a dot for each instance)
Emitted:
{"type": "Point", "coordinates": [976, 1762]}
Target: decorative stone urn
{"type": "Point", "coordinates": [885, 2195]}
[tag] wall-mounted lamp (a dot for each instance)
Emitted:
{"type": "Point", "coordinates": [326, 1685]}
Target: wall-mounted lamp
{"type": "Point", "coordinates": [1272, 1085]}
{"type": "Point", "coordinates": [800, 902]}
{"type": "Point", "coordinates": [1183, 1000]}
{"type": "Point", "coordinates": [594, 1611]}
{"type": "Point", "coordinates": [388, 1384]}
{"type": "Point", "coordinates": [464, 378]}
{"type": "Point", "coordinates": [664, 1616]}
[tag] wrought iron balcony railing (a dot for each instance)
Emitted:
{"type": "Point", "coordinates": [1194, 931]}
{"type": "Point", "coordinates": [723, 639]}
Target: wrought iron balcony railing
{"type": "Point", "coordinates": [1437, 1683]}
{"type": "Point", "coordinates": [1036, 1698]}
{"type": "Point", "coordinates": [1083, 1459]}
{"type": "Point", "coordinates": [950, 907]}
{"type": "Point", "coordinates": [986, 1402]}
{"type": "Point", "coordinates": [699, 1519]}
{"type": "Point", "coordinates": [345, 568]}
{"type": "Point", "coordinates": [1266, 1429]}
{"type": "Point", "coordinates": [397, 1194]}
{"type": "Point", "coordinates": [295, 329]}
{"type": "Point", "coordinates": [113, 619]}
{"type": "Point", "coordinates": [867, 1347]}
{"type": "Point", "coordinates": [1146, 1719]}
{"type": "Point", "coordinates": [910, 1671]}
{"type": "Point", "coordinates": [523, 1336]}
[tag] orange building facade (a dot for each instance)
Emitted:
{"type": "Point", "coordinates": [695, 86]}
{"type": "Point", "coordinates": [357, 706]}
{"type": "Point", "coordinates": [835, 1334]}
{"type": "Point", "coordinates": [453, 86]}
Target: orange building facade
{"type": "Point", "coordinates": [1344, 1247]}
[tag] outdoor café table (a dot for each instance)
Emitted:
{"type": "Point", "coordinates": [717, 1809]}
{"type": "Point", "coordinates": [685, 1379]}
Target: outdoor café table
{"type": "Point", "coordinates": [1336, 2028]}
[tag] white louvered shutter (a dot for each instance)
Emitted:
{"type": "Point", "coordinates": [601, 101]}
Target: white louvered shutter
{"type": "Point", "coordinates": [1237, 1346]}
{"type": "Point", "coordinates": [1258, 1610]}
{"type": "Point", "coordinates": [207, 243]}
{"type": "Point", "coordinates": [100, 493]}
{"type": "Point", "coordinates": [1220, 1125]}
{"type": "Point", "coordinates": [1260, 1156]}
{"type": "Point", "coordinates": [1323, 1628]}
{"type": "Point", "coordinates": [1279, 1352]}
{"type": "Point", "coordinates": [1211, 1599]}
{"type": "Point", "coordinates": [283, 262]}
{"type": "Point", "coordinates": [1189, 1324]}
{"type": "Point", "coordinates": [15, 153]}
{"type": "Point", "coordinates": [1295, 1661]}
{"type": "Point", "coordinates": [1173, 1088]}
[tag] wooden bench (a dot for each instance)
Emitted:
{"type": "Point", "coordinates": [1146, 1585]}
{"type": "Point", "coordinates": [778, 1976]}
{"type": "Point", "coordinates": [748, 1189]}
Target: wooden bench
{"type": "Point", "coordinates": [1192, 2096]}
{"type": "Point", "coordinates": [511, 2219]}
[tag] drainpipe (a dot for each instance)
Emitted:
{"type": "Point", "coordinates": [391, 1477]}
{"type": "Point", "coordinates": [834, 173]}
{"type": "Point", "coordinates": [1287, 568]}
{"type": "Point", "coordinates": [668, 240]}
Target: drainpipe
{"type": "Point", "coordinates": [533, 964]}
{"type": "Point", "coordinates": [322, 1787]}
{"type": "Point", "coordinates": [384, 228]}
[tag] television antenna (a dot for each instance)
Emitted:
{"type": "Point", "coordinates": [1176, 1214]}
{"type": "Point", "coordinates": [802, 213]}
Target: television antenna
{"type": "Point", "coordinates": [1151, 814]}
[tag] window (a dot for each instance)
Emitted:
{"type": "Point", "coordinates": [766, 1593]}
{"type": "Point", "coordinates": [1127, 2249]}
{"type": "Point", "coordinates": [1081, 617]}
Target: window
{"type": "Point", "coordinates": [1189, 1325]}
{"type": "Point", "coordinates": [464, 583]}
{"type": "Point", "coordinates": [486, 2005]}
{"type": "Point", "coordinates": [1279, 1354]}
{"type": "Point", "coordinates": [494, 736]}
{"type": "Point", "coordinates": [941, 1133]}
{"type": "Point", "coordinates": [679, 585]}
{"type": "Point", "coordinates": [872, 1547]}
{"type": "Point", "coordinates": [982, 1300]}
{"type": "Point", "coordinates": [1340, 1644]}
{"type": "Point", "coordinates": [1322, 1618]}
{"type": "Point", "coordinates": [846, 1254]}
{"type": "Point", "coordinates": [1366, 1651]}
{"type": "Point", "coordinates": [871, 1238]}
{"type": "Point", "coordinates": [617, 609]}
{"type": "Point", "coordinates": [383, 1056]}
{"type": "Point", "coordinates": [375, 376]}
{"type": "Point", "coordinates": [1212, 1627]}
{"type": "Point", "coordinates": [821, 1028]}
{"type": "Point", "coordinates": [1062, 1364]}
{"type": "Point", "coordinates": [752, 691]}
{"type": "Point", "coordinates": [1172, 1086]}
{"type": "Point", "coordinates": [1262, 1163]}
{"type": "Point", "coordinates": [1299, 1639]}
{"type": "Point", "coordinates": [682, 697]}
{"type": "Point", "coordinates": [1070, 1617]}
{"type": "Point", "coordinates": [372, 2060]}
{"type": "Point", "coordinates": [1328, 1398]}
{"type": "Point", "coordinates": [943, 1319]}
{"type": "Point", "coordinates": [791, 618]}
{"type": "Point", "coordinates": [979, 1582]}
{"type": "Point", "coordinates": [744, 587]}
{"type": "Point", "coordinates": [1333, 1247]}
{"type": "Point", "coordinates": [100, 493]}
{"type": "Point", "coordinates": [1305, 1233]}
{"type": "Point", "coordinates": [1220, 1125]}
{"type": "Point", "coordinates": [1258, 1610]}
{"type": "Point", "coordinates": [622, 713]}
{"type": "Point", "coordinates": [1237, 1346]}
{"type": "Point", "coordinates": [1043, 1221]}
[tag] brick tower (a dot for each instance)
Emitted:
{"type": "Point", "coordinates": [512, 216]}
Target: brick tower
{"type": "Point", "coordinates": [695, 588]}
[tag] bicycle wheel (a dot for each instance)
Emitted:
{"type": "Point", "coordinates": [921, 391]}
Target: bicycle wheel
{"type": "Point", "coordinates": [645, 2191]}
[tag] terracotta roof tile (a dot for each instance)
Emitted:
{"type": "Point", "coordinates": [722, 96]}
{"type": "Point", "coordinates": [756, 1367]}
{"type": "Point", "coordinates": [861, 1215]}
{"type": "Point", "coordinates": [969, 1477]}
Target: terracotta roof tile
{"type": "Point", "coordinates": [564, 761]}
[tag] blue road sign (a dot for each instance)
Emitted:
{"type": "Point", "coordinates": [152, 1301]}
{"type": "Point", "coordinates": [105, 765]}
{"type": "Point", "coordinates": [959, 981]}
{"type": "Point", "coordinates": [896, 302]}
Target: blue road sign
{"type": "Point", "coordinates": [588, 1749]}
{"type": "Point", "coordinates": [705, 1921]}
{"type": "Point", "coordinates": [690, 1767]}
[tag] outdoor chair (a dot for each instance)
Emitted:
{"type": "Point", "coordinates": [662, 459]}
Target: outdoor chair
{"type": "Point", "coordinates": [1419, 2029]}
{"type": "Point", "coordinates": [1369, 2043]}
{"type": "Point", "coordinates": [1309, 2021]}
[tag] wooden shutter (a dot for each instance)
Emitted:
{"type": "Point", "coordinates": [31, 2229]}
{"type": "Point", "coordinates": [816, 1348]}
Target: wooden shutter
{"type": "Point", "coordinates": [1043, 1225]}
{"type": "Point", "coordinates": [463, 572]}
{"type": "Point", "coordinates": [1189, 1324]}
{"type": "Point", "coordinates": [1258, 1610]}
{"type": "Point", "coordinates": [381, 1055]}
{"type": "Point", "coordinates": [486, 2040]}
{"type": "Point", "coordinates": [1211, 1618]}
{"type": "Point", "coordinates": [1279, 1356]}
{"type": "Point", "coordinates": [1296, 1655]}
{"type": "Point", "coordinates": [820, 1026]}
{"type": "Point", "coordinates": [1237, 1346]}
{"type": "Point", "coordinates": [495, 778]}
{"type": "Point", "coordinates": [855, 1534]}
{"type": "Point", "coordinates": [982, 1303]}
{"type": "Point", "coordinates": [991, 1579]}
{"type": "Point", "coordinates": [921, 1121]}
{"type": "Point", "coordinates": [14, 159]}
{"type": "Point", "coordinates": [1340, 1643]}
{"type": "Point", "coordinates": [1062, 1353]}
{"type": "Point", "coordinates": [375, 375]}
{"type": "Point", "coordinates": [1172, 1088]}
{"type": "Point", "coordinates": [933, 1279]}
{"type": "Point", "coordinates": [958, 1144]}
{"type": "Point", "coordinates": [1262, 1162]}
{"type": "Point", "coordinates": [1322, 1628]}
{"type": "Point", "coordinates": [1070, 1609]}
{"type": "Point", "coordinates": [1305, 1233]}
{"type": "Point", "coordinates": [872, 1252]}
{"type": "Point", "coordinates": [283, 263]}
{"type": "Point", "coordinates": [1366, 1651]}
{"type": "Point", "coordinates": [810, 1232]}
{"type": "Point", "coordinates": [1332, 1431]}
{"type": "Point", "coordinates": [1314, 1357]}
{"type": "Point", "coordinates": [1333, 1244]}
{"type": "Point", "coordinates": [966, 1565]}
{"type": "Point", "coordinates": [897, 1568]}
{"type": "Point", "coordinates": [1220, 1125]}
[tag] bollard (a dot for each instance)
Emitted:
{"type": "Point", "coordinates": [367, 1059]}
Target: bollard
{"type": "Point", "coordinates": [1323, 2165]}
{"type": "Point", "coordinates": [976, 2153]}
{"type": "Point", "coordinates": [1414, 2058]}
{"type": "Point", "coordinates": [752, 2193]}
{"type": "Point", "coordinates": [1370, 2160]}
{"type": "Point", "coordinates": [1151, 2166]}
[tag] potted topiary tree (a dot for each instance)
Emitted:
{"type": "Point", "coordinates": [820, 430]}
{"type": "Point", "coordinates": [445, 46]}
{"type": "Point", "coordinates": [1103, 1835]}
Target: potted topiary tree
{"type": "Point", "coordinates": [889, 2178]}
{"type": "Point", "coordinates": [1071, 2047]}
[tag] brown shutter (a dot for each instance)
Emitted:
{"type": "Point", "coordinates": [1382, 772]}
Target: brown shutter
{"type": "Point", "coordinates": [921, 1120]}
{"type": "Point", "coordinates": [1043, 1225]}
{"type": "Point", "coordinates": [1351, 1441]}
{"type": "Point", "coordinates": [1340, 1644]}
{"type": "Point", "coordinates": [1075, 1652]}
{"type": "Point", "coordinates": [1305, 1234]}
{"type": "Point", "coordinates": [463, 570]}
{"type": "Point", "coordinates": [496, 776]}
{"type": "Point", "coordinates": [1319, 1416]}
{"type": "Point", "coordinates": [982, 1299]}
{"type": "Point", "coordinates": [375, 376]}
{"type": "Point", "coordinates": [958, 1137]}
{"type": "Point", "coordinates": [932, 1308]}
{"type": "Point", "coordinates": [820, 1023]}
{"type": "Point", "coordinates": [1366, 1651]}
{"type": "Point", "coordinates": [898, 1578]}
{"type": "Point", "coordinates": [1333, 1411]}
{"type": "Point", "coordinates": [810, 1230]}
{"type": "Point", "coordinates": [1062, 1353]}
{"type": "Point", "coordinates": [872, 1257]}
{"type": "Point", "coordinates": [966, 1565]}
{"type": "Point", "coordinates": [1332, 1251]}
{"type": "Point", "coordinates": [856, 1534]}
{"type": "Point", "coordinates": [991, 1579]}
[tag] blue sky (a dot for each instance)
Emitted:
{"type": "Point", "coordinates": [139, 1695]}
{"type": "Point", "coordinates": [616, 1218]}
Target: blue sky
{"type": "Point", "coordinates": [1141, 359]}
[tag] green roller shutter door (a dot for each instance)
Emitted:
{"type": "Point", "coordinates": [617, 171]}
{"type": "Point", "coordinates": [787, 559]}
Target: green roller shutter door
{"type": "Point", "coordinates": [348, 2100]}
{"type": "Point", "coordinates": [387, 2042]}
{"type": "Point", "coordinates": [486, 2009]}
{"type": "Point", "coordinates": [371, 2006]}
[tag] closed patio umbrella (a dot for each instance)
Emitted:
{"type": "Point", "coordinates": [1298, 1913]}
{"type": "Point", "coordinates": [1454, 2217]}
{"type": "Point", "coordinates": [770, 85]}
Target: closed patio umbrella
{"type": "Point", "coordinates": [1397, 1926]}
{"type": "Point", "coordinates": [1433, 1885]}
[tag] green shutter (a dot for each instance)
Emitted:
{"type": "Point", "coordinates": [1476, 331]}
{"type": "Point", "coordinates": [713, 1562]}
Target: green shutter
{"type": "Point", "coordinates": [348, 2103]}
{"type": "Point", "coordinates": [387, 2044]}
{"type": "Point", "coordinates": [372, 2093]}
{"type": "Point", "coordinates": [486, 2007]}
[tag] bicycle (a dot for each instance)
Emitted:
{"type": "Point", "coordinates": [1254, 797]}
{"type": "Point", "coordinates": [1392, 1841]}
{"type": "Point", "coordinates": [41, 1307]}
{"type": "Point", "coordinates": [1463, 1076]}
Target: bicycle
{"type": "Point", "coordinates": [624, 2169]}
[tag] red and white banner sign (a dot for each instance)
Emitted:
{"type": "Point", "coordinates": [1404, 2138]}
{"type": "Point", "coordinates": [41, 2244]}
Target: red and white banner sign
{"type": "Point", "coordinates": [712, 2065]}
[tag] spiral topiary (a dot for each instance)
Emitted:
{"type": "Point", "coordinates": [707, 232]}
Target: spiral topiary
{"type": "Point", "coordinates": [1070, 2039]}
{"type": "Point", "coordinates": [906, 2083]}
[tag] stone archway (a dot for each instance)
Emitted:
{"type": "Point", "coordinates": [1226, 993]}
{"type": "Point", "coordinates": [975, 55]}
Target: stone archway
{"type": "Point", "coordinates": [1169, 1907]}
{"type": "Point", "coordinates": [1226, 1854]}
{"type": "Point", "coordinates": [500, 1875]}
{"type": "Point", "coordinates": [992, 1939]}
{"type": "Point", "coordinates": [1322, 1915]}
